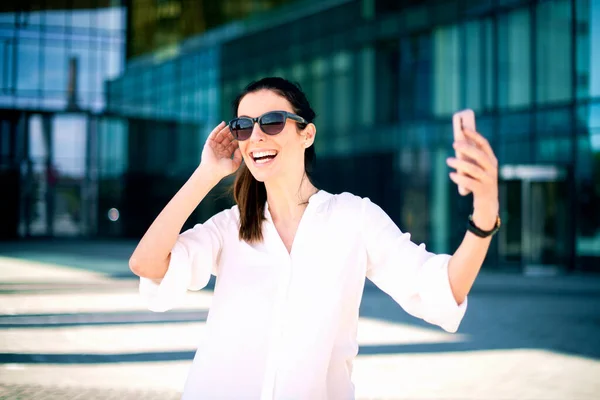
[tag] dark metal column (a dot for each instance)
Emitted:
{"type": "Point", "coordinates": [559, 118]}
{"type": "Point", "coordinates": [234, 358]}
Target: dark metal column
{"type": "Point", "coordinates": [50, 172]}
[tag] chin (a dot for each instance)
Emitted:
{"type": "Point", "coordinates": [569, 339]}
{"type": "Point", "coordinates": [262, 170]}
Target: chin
{"type": "Point", "coordinates": [263, 173]}
{"type": "Point", "coordinates": [261, 176]}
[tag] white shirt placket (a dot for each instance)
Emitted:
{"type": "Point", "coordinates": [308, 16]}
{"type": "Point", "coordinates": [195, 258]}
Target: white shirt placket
{"type": "Point", "coordinates": [276, 349]}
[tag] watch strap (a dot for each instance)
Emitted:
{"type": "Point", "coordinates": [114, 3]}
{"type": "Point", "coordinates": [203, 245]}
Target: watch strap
{"type": "Point", "coordinates": [471, 227]}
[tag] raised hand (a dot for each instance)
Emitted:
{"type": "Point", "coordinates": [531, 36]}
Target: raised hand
{"type": "Point", "coordinates": [479, 174]}
{"type": "Point", "coordinates": [221, 154]}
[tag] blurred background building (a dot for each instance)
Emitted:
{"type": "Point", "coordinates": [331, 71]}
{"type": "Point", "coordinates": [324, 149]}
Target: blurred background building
{"type": "Point", "coordinates": [105, 106]}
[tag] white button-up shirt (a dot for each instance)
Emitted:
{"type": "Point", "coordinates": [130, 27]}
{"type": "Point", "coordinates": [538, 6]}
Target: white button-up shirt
{"type": "Point", "coordinates": [284, 325]}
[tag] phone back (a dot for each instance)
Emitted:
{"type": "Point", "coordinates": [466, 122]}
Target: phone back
{"type": "Point", "coordinates": [462, 119]}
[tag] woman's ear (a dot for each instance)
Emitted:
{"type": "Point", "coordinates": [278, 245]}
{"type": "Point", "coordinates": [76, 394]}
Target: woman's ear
{"type": "Point", "coordinates": [309, 134]}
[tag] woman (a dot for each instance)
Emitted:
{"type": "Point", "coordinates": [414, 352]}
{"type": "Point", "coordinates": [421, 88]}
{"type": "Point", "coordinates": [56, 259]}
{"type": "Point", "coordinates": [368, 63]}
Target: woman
{"type": "Point", "coordinates": [291, 260]}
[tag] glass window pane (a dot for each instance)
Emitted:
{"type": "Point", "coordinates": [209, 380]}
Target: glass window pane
{"type": "Point", "coordinates": [111, 18]}
{"type": "Point", "coordinates": [29, 20]}
{"type": "Point", "coordinates": [446, 70]}
{"type": "Point", "coordinates": [473, 71]}
{"type": "Point", "coordinates": [56, 67]}
{"type": "Point", "coordinates": [415, 77]}
{"type": "Point", "coordinates": [112, 145]}
{"type": "Point", "coordinates": [490, 76]}
{"type": "Point", "coordinates": [553, 37]}
{"type": "Point", "coordinates": [594, 61]}
{"type": "Point", "coordinates": [6, 64]}
{"type": "Point", "coordinates": [583, 72]}
{"type": "Point", "coordinates": [113, 62]}
{"type": "Point", "coordinates": [423, 72]}
{"type": "Point", "coordinates": [514, 59]}
{"type": "Point", "coordinates": [69, 143]}
{"type": "Point", "coordinates": [298, 72]}
{"type": "Point", "coordinates": [319, 70]}
{"type": "Point", "coordinates": [28, 75]}
{"type": "Point", "coordinates": [367, 95]}
{"type": "Point", "coordinates": [387, 81]}
{"type": "Point", "coordinates": [81, 18]}
{"type": "Point", "coordinates": [7, 20]}
{"type": "Point", "coordinates": [55, 18]}
{"type": "Point", "coordinates": [342, 94]}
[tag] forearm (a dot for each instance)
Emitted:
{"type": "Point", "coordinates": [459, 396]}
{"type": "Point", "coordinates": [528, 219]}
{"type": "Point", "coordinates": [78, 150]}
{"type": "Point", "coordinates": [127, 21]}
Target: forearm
{"type": "Point", "coordinates": [480, 176]}
{"type": "Point", "coordinates": [466, 262]}
{"type": "Point", "coordinates": [151, 256]}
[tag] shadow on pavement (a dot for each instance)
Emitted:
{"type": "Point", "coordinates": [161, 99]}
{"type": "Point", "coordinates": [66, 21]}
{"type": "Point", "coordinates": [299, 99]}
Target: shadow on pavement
{"type": "Point", "coordinates": [99, 318]}
{"type": "Point", "coordinates": [16, 358]}
{"type": "Point", "coordinates": [505, 312]}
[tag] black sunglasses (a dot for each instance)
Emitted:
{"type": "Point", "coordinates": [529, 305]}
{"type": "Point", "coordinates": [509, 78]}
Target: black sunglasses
{"type": "Point", "coordinates": [270, 123]}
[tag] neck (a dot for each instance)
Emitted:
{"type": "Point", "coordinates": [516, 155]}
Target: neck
{"type": "Point", "coordinates": [288, 198]}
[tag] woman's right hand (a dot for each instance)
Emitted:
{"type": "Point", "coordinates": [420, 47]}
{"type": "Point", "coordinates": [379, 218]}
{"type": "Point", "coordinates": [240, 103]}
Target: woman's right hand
{"type": "Point", "coordinates": [221, 154]}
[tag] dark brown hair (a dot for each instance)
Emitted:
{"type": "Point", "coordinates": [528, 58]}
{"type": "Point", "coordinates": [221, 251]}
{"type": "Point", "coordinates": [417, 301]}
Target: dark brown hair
{"type": "Point", "coordinates": [250, 194]}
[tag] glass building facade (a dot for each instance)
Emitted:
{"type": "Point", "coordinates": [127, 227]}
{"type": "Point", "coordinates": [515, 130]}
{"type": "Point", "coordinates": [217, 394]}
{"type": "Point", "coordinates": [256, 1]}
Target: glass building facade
{"type": "Point", "coordinates": [55, 57]}
{"type": "Point", "coordinates": [384, 78]}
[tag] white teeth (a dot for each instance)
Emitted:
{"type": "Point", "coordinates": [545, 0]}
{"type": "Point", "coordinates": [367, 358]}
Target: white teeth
{"type": "Point", "coordinates": [263, 157]}
{"type": "Point", "coordinates": [259, 154]}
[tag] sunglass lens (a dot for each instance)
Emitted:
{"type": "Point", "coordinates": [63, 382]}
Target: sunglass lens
{"type": "Point", "coordinates": [272, 123]}
{"type": "Point", "coordinates": [241, 128]}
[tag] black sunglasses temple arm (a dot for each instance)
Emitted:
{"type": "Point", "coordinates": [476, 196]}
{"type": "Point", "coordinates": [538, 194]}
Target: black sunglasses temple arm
{"type": "Point", "coordinates": [296, 118]}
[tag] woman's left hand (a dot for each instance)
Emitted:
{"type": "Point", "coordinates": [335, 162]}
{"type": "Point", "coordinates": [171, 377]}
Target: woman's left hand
{"type": "Point", "coordinates": [479, 175]}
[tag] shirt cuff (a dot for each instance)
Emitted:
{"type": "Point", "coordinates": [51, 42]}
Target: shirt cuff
{"type": "Point", "coordinates": [171, 290]}
{"type": "Point", "coordinates": [436, 294]}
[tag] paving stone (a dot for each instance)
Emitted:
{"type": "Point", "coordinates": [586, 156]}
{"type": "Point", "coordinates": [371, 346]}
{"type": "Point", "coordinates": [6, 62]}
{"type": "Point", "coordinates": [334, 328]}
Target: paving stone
{"type": "Point", "coordinates": [29, 392]}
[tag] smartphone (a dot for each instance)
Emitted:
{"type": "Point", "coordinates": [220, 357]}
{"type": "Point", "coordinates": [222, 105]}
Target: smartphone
{"type": "Point", "coordinates": [460, 120]}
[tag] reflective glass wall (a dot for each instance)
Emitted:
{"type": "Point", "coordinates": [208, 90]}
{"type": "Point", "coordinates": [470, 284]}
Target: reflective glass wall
{"type": "Point", "coordinates": [169, 106]}
{"type": "Point", "coordinates": [385, 77]}
{"type": "Point", "coordinates": [59, 58]}
{"type": "Point", "coordinates": [54, 61]}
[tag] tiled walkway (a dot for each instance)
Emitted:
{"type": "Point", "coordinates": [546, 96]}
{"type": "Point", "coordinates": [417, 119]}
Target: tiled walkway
{"type": "Point", "coordinates": [72, 331]}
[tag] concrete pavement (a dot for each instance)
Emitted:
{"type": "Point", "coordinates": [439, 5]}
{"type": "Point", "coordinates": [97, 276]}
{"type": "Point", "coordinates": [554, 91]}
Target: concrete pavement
{"type": "Point", "coordinates": [72, 326]}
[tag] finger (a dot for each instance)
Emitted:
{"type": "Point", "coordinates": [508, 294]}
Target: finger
{"type": "Point", "coordinates": [468, 168]}
{"type": "Point", "coordinates": [222, 134]}
{"type": "Point", "coordinates": [216, 130]}
{"type": "Point", "coordinates": [222, 130]}
{"type": "Point", "coordinates": [477, 155]}
{"type": "Point", "coordinates": [228, 137]}
{"type": "Point", "coordinates": [231, 147]}
{"type": "Point", "coordinates": [470, 184]}
{"type": "Point", "coordinates": [481, 142]}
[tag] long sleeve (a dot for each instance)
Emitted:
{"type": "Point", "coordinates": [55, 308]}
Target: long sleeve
{"type": "Point", "coordinates": [194, 257]}
{"type": "Point", "coordinates": [415, 278]}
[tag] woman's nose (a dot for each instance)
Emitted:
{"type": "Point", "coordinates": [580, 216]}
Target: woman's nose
{"type": "Point", "coordinates": [257, 133]}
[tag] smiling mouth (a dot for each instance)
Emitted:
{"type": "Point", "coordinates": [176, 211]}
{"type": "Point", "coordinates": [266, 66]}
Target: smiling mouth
{"type": "Point", "coordinates": [263, 157]}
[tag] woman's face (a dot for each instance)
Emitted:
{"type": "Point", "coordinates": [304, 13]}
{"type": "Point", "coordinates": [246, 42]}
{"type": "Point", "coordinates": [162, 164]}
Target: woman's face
{"type": "Point", "coordinates": [288, 146]}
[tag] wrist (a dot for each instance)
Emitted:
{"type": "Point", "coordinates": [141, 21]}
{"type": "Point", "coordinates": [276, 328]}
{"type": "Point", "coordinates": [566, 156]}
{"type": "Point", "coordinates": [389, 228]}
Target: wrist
{"type": "Point", "coordinates": [207, 174]}
{"type": "Point", "coordinates": [485, 219]}
{"type": "Point", "coordinates": [484, 215]}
